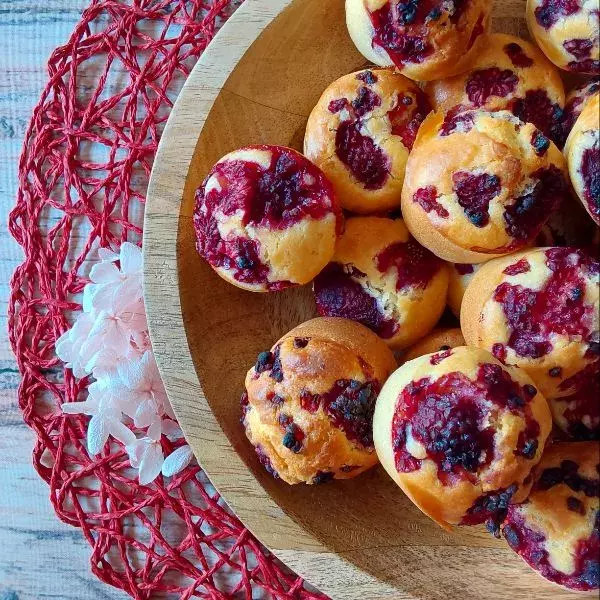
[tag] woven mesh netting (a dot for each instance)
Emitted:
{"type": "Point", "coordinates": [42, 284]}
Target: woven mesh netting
{"type": "Point", "coordinates": [83, 173]}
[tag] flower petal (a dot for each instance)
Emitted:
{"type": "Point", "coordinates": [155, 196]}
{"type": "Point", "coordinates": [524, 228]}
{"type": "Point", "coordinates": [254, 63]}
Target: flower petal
{"type": "Point", "coordinates": [151, 464]}
{"type": "Point", "coordinates": [131, 258]}
{"type": "Point", "coordinates": [121, 432]}
{"type": "Point", "coordinates": [107, 255]}
{"type": "Point", "coordinates": [97, 436]}
{"type": "Point", "coordinates": [177, 461]}
{"type": "Point", "coordinates": [105, 273]}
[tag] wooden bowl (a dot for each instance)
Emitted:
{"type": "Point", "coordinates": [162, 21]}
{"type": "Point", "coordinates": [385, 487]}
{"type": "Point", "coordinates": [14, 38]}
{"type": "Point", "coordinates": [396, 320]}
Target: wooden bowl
{"type": "Point", "coordinates": [257, 83]}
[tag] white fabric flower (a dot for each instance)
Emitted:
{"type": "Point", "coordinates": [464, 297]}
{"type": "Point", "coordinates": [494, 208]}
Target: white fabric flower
{"type": "Point", "coordinates": [110, 341]}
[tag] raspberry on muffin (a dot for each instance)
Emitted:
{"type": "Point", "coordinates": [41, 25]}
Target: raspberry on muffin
{"type": "Point", "coordinates": [507, 74]}
{"type": "Point", "coordinates": [360, 133]}
{"type": "Point", "coordinates": [480, 185]}
{"type": "Point", "coordinates": [556, 531]}
{"type": "Point", "coordinates": [439, 340]}
{"type": "Point", "coordinates": [568, 31]}
{"type": "Point", "coordinates": [460, 433]}
{"type": "Point", "coordinates": [583, 156]}
{"type": "Point", "coordinates": [574, 105]}
{"type": "Point", "coordinates": [423, 39]}
{"type": "Point", "coordinates": [309, 401]}
{"type": "Point", "coordinates": [381, 277]}
{"type": "Point", "coordinates": [266, 218]}
{"type": "Point", "coordinates": [539, 310]}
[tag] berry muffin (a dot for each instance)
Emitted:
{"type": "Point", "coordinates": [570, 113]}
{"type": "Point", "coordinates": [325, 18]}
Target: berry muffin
{"type": "Point", "coordinates": [575, 103]}
{"type": "Point", "coordinates": [508, 74]}
{"type": "Point", "coordinates": [439, 340]}
{"type": "Point", "coordinates": [266, 219]}
{"type": "Point", "coordinates": [360, 134]}
{"type": "Point", "coordinates": [556, 531]}
{"type": "Point", "coordinates": [423, 39]}
{"type": "Point", "coordinates": [583, 156]}
{"type": "Point", "coordinates": [309, 402]}
{"type": "Point", "coordinates": [460, 434]}
{"type": "Point", "coordinates": [568, 31]}
{"type": "Point", "coordinates": [460, 277]}
{"type": "Point", "coordinates": [539, 310]}
{"type": "Point", "coordinates": [381, 277]}
{"type": "Point", "coordinates": [480, 185]}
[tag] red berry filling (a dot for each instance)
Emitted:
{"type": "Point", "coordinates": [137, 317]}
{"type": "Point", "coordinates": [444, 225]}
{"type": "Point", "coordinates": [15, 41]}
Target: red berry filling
{"type": "Point", "coordinates": [265, 461]}
{"type": "Point", "coordinates": [288, 191]}
{"type": "Point", "coordinates": [415, 266]}
{"type": "Point", "coordinates": [475, 192]}
{"type": "Point", "coordinates": [517, 55]}
{"type": "Point", "coordinates": [350, 405]}
{"type": "Point", "coordinates": [540, 143]}
{"type": "Point", "coordinates": [485, 83]}
{"type": "Point", "coordinates": [366, 161]}
{"type": "Point", "coordinates": [478, 30]}
{"type": "Point", "coordinates": [436, 359]}
{"type": "Point", "coordinates": [590, 172]}
{"type": "Point", "coordinates": [529, 543]}
{"type": "Point", "coordinates": [558, 308]}
{"type": "Point", "coordinates": [402, 27]}
{"type": "Point", "coordinates": [550, 11]}
{"type": "Point", "coordinates": [522, 266]}
{"type": "Point", "coordinates": [526, 216]}
{"type": "Point", "coordinates": [426, 198]}
{"type": "Point", "coordinates": [537, 108]}
{"type": "Point", "coordinates": [338, 293]}
{"type": "Point", "coordinates": [457, 119]}
{"type": "Point", "coordinates": [490, 508]}
{"type": "Point", "coordinates": [447, 416]}
{"type": "Point", "coordinates": [407, 117]}
{"type": "Point", "coordinates": [583, 402]}
{"type": "Point", "coordinates": [581, 50]}
{"type": "Point", "coordinates": [574, 107]}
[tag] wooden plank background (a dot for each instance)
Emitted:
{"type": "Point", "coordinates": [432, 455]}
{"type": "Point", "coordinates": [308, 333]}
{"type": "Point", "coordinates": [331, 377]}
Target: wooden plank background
{"type": "Point", "coordinates": [40, 557]}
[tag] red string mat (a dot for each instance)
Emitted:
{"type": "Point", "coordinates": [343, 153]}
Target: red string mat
{"type": "Point", "coordinates": [83, 173]}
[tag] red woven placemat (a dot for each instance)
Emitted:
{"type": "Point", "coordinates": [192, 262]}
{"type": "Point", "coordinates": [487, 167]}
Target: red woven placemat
{"type": "Point", "coordinates": [83, 174]}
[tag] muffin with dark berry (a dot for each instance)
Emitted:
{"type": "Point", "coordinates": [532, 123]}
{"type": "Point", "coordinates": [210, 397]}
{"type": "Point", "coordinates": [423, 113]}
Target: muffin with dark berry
{"type": "Point", "coordinates": [423, 39]}
{"type": "Point", "coordinates": [568, 31]}
{"type": "Point", "coordinates": [266, 218]}
{"type": "Point", "coordinates": [360, 133]}
{"type": "Point", "coordinates": [574, 105]}
{"type": "Point", "coordinates": [556, 531]}
{"type": "Point", "coordinates": [508, 74]}
{"type": "Point", "coordinates": [480, 185]}
{"type": "Point", "coordinates": [583, 156]}
{"type": "Point", "coordinates": [539, 310]}
{"type": "Point", "coordinates": [460, 277]}
{"type": "Point", "coordinates": [460, 433]}
{"type": "Point", "coordinates": [381, 277]}
{"type": "Point", "coordinates": [309, 401]}
{"type": "Point", "coordinates": [439, 340]}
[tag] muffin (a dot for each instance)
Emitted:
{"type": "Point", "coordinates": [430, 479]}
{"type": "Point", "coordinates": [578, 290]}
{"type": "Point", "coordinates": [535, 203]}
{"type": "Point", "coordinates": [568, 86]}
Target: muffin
{"type": "Point", "coordinates": [381, 277]}
{"type": "Point", "coordinates": [308, 405]}
{"type": "Point", "coordinates": [460, 277]}
{"type": "Point", "coordinates": [583, 156]}
{"type": "Point", "coordinates": [557, 530]}
{"type": "Point", "coordinates": [360, 134]}
{"type": "Point", "coordinates": [480, 185]}
{"type": "Point", "coordinates": [423, 40]}
{"type": "Point", "coordinates": [575, 103]}
{"type": "Point", "coordinates": [568, 32]}
{"type": "Point", "coordinates": [539, 310]}
{"type": "Point", "coordinates": [266, 218]}
{"type": "Point", "coordinates": [460, 434]}
{"type": "Point", "coordinates": [439, 340]}
{"type": "Point", "coordinates": [508, 74]}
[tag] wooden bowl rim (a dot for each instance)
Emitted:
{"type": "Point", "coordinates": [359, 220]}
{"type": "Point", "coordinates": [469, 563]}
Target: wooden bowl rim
{"type": "Point", "coordinates": [228, 473]}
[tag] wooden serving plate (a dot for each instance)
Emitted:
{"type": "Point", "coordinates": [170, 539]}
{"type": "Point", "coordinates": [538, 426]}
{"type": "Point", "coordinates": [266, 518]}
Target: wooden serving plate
{"type": "Point", "coordinates": [257, 83]}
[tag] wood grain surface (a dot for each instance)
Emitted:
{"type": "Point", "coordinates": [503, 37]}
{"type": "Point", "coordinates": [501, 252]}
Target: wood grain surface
{"type": "Point", "coordinates": [40, 557]}
{"type": "Point", "coordinates": [355, 539]}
